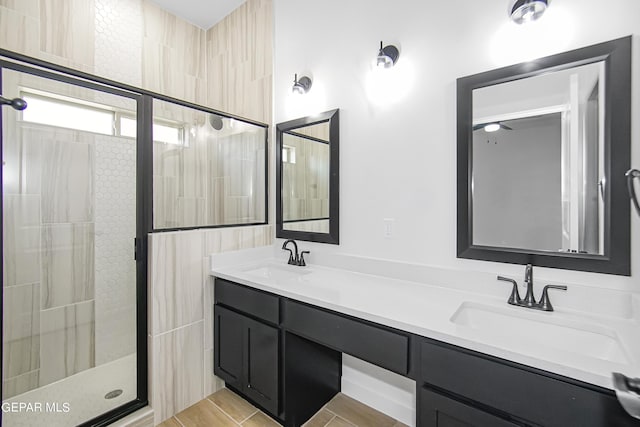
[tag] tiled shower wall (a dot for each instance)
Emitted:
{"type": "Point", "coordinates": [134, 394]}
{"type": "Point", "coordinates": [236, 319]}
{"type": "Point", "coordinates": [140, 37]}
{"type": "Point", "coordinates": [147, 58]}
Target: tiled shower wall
{"type": "Point", "coordinates": [305, 187]}
{"type": "Point", "coordinates": [69, 282]}
{"type": "Point", "coordinates": [228, 67]}
{"type": "Point", "coordinates": [69, 222]}
{"type": "Point", "coordinates": [181, 317]}
{"type": "Point", "coordinates": [216, 178]}
{"type": "Point", "coordinates": [115, 274]}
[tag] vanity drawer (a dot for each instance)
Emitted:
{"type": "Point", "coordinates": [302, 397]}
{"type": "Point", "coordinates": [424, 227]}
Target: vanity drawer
{"type": "Point", "coordinates": [364, 340]}
{"type": "Point", "coordinates": [253, 302]}
{"type": "Point", "coordinates": [528, 394]}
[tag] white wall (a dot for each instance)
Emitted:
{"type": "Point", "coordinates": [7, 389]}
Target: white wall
{"type": "Point", "coordinates": [515, 182]}
{"type": "Point", "coordinates": [398, 158]}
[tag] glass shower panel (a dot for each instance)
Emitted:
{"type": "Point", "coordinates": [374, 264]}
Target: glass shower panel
{"type": "Point", "coordinates": [69, 277]}
{"type": "Point", "coordinates": [208, 170]}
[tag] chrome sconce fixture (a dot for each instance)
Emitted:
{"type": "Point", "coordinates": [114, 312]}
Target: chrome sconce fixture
{"type": "Point", "coordinates": [301, 85]}
{"type": "Point", "coordinates": [523, 11]}
{"type": "Point", "coordinates": [387, 56]}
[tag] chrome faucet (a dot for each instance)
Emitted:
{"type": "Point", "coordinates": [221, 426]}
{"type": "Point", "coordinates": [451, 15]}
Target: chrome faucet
{"type": "Point", "coordinates": [529, 300]}
{"type": "Point", "coordinates": [294, 258]}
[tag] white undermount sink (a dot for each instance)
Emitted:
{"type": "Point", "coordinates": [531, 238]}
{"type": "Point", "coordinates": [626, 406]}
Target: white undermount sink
{"type": "Point", "coordinates": [525, 328]}
{"type": "Point", "coordinates": [278, 272]}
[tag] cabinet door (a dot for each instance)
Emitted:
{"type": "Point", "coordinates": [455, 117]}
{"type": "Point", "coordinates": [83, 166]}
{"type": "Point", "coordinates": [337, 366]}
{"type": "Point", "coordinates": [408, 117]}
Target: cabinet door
{"type": "Point", "coordinates": [228, 343]}
{"type": "Point", "coordinates": [261, 373]}
{"type": "Point", "coordinates": [437, 410]}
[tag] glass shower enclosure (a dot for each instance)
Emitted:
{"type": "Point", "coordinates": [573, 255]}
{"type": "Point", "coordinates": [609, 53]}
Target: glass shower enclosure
{"type": "Point", "coordinates": [69, 207]}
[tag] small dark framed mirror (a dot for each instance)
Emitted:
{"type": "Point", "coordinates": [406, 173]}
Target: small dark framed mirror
{"type": "Point", "coordinates": [307, 178]}
{"type": "Point", "coordinates": [542, 151]}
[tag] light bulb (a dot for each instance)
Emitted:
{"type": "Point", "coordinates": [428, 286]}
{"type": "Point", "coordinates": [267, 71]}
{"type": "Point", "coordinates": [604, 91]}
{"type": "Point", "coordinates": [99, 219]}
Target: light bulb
{"type": "Point", "coordinates": [525, 11]}
{"type": "Point", "coordinates": [527, 15]}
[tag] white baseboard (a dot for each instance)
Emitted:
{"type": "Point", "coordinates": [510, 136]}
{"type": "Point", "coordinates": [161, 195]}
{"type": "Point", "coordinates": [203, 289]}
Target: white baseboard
{"type": "Point", "coordinates": [389, 393]}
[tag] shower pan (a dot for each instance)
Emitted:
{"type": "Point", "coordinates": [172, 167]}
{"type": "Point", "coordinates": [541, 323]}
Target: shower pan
{"type": "Point", "coordinates": [70, 343]}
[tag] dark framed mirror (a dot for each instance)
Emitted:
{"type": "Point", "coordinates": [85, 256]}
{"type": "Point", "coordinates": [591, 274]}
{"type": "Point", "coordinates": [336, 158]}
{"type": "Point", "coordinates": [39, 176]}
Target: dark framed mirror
{"type": "Point", "coordinates": [307, 178]}
{"type": "Point", "coordinates": [542, 151]}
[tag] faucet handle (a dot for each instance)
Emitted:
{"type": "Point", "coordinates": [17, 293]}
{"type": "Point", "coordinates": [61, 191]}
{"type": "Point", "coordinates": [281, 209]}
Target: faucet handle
{"type": "Point", "coordinates": [545, 303]}
{"type": "Point", "coordinates": [301, 263]}
{"type": "Point", "coordinates": [514, 299]}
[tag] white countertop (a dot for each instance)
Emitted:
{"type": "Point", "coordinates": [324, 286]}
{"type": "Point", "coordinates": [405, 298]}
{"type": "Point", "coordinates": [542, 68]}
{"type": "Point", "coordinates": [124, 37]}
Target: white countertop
{"type": "Point", "coordinates": [432, 303]}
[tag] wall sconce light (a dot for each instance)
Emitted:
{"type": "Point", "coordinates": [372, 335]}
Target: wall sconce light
{"type": "Point", "coordinates": [302, 85]}
{"type": "Point", "coordinates": [524, 11]}
{"type": "Point", "coordinates": [387, 56]}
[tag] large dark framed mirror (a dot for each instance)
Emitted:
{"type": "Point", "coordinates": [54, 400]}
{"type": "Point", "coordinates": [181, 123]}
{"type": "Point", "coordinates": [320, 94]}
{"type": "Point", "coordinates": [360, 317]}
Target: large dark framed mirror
{"type": "Point", "coordinates": [542, 151]}
{"type": "Point", "coordinates": [307, 178]}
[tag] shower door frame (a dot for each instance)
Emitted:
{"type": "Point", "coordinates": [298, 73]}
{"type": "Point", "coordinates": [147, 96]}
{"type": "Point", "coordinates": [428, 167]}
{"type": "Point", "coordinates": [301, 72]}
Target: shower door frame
{"type": "Point", "coordinates": [144, 202]}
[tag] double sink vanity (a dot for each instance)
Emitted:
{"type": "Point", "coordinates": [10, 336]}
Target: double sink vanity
{"type": "Point", "coordinates": [280, 331]}
{"type": "Point", "coordinates": [478, 353]}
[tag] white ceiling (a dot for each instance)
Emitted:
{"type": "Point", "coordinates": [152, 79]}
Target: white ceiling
{"type": "Point", "coordinates": [203, 13]}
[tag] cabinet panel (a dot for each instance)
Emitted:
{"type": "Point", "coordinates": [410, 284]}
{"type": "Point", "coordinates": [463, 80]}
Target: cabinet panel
{"type": "Point", "coordinates": [437, 410]}
{"type": "Point", "coordinates": [228, 351]}
{"type": "Point", "coordinates": [528, 394]}
{"type": "Point", "coordinates": [358, 338]}
{"type": "Point", "coordinates": [262, 364]}
{"type": "Point", "coordinates": [250, 301]}
{"type": "Point", "coordinates": [246, 357]}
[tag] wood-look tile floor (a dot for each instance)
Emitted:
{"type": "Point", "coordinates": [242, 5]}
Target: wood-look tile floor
{"type": "Point", "coordinates": [226, 409]}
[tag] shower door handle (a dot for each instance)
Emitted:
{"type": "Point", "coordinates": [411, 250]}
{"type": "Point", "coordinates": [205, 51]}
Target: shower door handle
{"type": "Point", "coordinates": [628, 393]}
{"type": "Point", "coordinates": [633, 173]}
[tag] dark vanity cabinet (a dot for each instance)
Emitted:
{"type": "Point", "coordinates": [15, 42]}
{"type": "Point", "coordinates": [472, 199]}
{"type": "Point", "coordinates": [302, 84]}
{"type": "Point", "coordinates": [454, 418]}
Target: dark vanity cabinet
{"type": "Point", "coordinates": [286, 357]}
{"type": "Point", "coordinates": [438, 410]}
{"type": "Point", "coordinates": [247, 342]}
{"type": "Point", "coordinates": [460, 387]}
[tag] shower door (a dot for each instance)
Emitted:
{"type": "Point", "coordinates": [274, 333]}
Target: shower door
{"type": "Point", "coordinates": [70, 317]}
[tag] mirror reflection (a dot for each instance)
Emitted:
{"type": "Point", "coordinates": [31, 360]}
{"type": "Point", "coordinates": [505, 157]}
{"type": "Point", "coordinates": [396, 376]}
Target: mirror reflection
{"type": "Point", "coordinates": [542, 151]}
{"type": "Point", "coordinates": [305, 178]}
{"type": "Point", "coordinates": [538, 178]}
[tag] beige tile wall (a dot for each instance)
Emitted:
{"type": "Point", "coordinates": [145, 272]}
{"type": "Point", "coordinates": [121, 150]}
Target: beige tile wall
{"type": "Point", "coordinates": [69, 300]}
{"type": "Point", "coordinates": [181, 317]}
{"type": "Point", "coordinates": [239, 61]}
{"type": "Point", "coordinates": [217, 178]}
{"type": "Point", "coordinates": [228, 67]}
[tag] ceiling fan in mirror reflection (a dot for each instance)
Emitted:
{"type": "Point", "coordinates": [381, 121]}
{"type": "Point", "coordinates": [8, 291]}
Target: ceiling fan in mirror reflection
{"type": "Point", "coordinates": [491, 127]}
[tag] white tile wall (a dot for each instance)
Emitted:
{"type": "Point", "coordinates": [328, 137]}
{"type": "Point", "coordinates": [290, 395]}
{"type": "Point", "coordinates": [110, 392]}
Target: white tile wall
{"type": "Point", "coordinates": [115, 228]}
